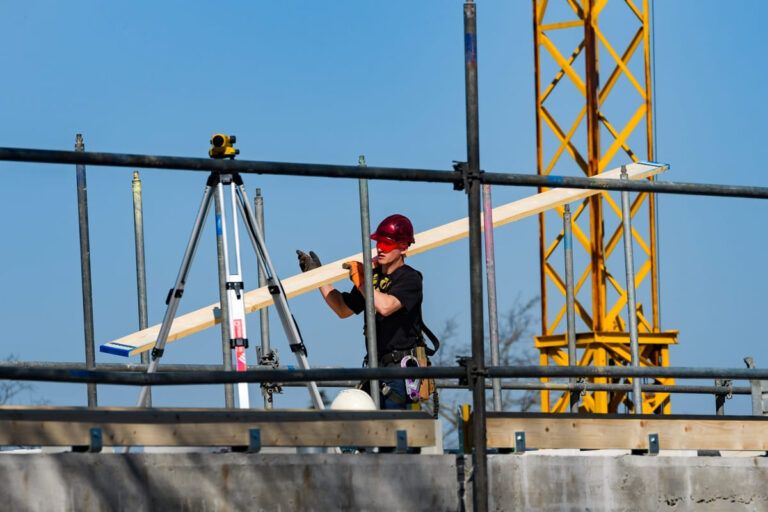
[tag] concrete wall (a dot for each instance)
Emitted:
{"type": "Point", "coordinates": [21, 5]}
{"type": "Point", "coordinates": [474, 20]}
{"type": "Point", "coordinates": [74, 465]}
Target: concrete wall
{"type": "Point", "coordinates": [628, 482]}
{"type": "Point", "coordinates": [226, 481]}
{"type": "Point", "coordinates": [283, 482]}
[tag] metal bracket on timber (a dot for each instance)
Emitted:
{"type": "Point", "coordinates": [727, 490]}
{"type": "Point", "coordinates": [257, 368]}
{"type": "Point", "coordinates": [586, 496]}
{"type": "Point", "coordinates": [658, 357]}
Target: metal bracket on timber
{"type": "Point", "coordinates": [96, 442]}
{"type": "Point", "coordinates": [653, 444]}
{"type": "Point", "coordinates": [255, 300]}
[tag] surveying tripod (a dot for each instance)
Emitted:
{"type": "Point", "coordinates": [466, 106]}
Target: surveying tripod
{"type": "Point", "coordinates": [234, 318]}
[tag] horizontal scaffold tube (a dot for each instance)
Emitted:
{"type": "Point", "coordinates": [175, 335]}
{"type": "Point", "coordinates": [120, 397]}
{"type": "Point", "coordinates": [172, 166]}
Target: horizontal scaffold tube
{"type": "Point", "coordinates": [372, 173]}
{"type": "Point", "coordinates": [77, 375]}
{"type": "Point", "coordinates": [681, 372]}
{"type": "Point", "coordinates": [588, 386]}
{"type": "Point", "coordinates": [133, 378]}
{"type": "Point", "coordinates": [557, 386]}
{"type": "Point", "coordinates": [441, 383]}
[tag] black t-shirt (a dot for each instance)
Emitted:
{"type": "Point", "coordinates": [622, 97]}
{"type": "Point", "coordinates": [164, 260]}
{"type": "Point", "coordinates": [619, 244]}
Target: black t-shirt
{"type": "Point", "coordinates": [402, 329]}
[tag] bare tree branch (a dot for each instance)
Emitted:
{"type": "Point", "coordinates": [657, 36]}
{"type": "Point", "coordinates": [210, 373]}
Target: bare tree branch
{"type": "Point", "coordinates": [516, 329]}
{"type": "Point", "coordinates": [10, 389]}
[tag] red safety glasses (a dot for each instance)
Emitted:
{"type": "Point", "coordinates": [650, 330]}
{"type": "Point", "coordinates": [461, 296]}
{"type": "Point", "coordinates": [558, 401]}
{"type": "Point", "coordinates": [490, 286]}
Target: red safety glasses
{"type": "Point", "coordinates": [386, 244]}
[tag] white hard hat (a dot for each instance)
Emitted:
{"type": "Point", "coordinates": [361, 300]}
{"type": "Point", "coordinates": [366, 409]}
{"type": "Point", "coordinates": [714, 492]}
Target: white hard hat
{"type": "Point", "coordinates": [353, 400]}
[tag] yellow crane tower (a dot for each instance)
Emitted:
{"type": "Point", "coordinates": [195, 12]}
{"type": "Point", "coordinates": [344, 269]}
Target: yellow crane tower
{"type": "Point", "coordinates": [590, 121]}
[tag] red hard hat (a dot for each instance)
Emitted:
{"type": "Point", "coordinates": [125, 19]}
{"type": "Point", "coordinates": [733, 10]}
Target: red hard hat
{"type": "Point", "coordinates": [395, 227]}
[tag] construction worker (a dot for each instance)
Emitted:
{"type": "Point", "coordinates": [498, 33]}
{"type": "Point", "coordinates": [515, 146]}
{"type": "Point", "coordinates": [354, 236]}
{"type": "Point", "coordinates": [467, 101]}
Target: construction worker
{"type": "Point", "coordinates": [397, 297]}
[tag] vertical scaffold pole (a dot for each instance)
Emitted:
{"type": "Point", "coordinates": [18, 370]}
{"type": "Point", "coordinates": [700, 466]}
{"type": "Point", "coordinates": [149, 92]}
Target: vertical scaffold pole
{"type": "Point", "coordinates": [370, 311]}
{"type": "Point", "coordinates": [570, 301]}
{"type": "Point", "coordinates": [720, 398]}
{"type": "Point", "coordinates": [141, 274]}
{"type": "Point", "coordinates": [258, 203]}
{"type": "Point", "coordinates": [490, 278]}
{"type": "Point", "coordinates": [85, 269]}
{"type": "Point", "coordinates": [629, 264]}
{"type": "Point", "coordinates": [473, 189]}
{"type": "Point", "coordinates": [264, 312]}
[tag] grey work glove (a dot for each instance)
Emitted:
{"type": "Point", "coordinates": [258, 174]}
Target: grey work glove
{"type": "Point", "coordinates": [309, 261]}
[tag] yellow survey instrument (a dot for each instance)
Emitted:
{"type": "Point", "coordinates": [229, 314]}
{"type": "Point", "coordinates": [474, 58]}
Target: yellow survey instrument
{"type": "Point", "coordinates": [222, 146]}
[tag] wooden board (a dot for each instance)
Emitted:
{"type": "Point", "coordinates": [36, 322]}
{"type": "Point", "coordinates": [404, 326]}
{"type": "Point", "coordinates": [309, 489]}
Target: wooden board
{"type": "Point", "coordinates": [213, 427]}
{"type": "Point", "coordinates": [255, 300]}
{"type": "Point", "coordinates": [628, 432]}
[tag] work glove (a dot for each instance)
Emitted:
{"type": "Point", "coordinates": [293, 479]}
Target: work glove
{"type": "Point", "coordinates": [356, 273]}
{"type": "Point", "coordinates": [309, 261]}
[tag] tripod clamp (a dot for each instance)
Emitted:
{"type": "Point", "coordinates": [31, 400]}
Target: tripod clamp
{"type": "Point", "coordinates": [225, 178]}
{"type": "Point", "coordinates": [269, 359]}
{"type": "Point", "coordinates": [238, 342]}
{"type": "Point", "coordinates": [237, 286]}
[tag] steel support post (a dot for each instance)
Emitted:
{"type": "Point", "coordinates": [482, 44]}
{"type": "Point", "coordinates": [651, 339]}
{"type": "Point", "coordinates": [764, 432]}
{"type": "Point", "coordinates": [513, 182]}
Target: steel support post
{"type": "Point", "coordinates": [141, 274]}
{"type": "Point", "coordinates": [629, 264]}
{"type": "Point", "coordinates": [226, 350]}
{"type": "Point", "coordinates": [370, 311]}
{"type": "Point", "coordinates": [570, 301]}
{"type": "Point", "coordinates": [490, 278]}
{"type": "Point", "coordinates": [756, 387]}
{"type": "Point", "coordinates": [266, 348]}
{"type": "Point", "coordinates": [264, 312]}
{"type": "Point", "coordinates": [85, 269]}
{"type": "Point", "coordinates": [720, 399]}
{"type": "Point", "coordinates": [473, 189]}
{"type": "Point", "coordinates": [757, 397]}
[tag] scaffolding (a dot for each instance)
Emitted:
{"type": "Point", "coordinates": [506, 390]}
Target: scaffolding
{"type": "Point", "coordinates": [467, 176]}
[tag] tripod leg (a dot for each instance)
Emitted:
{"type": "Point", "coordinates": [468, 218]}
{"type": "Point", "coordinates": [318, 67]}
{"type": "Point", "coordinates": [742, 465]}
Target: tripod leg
{"type": "Point", "coordinates": [276, 289]}
{"type": "Point", "coordinates": [174, 295]}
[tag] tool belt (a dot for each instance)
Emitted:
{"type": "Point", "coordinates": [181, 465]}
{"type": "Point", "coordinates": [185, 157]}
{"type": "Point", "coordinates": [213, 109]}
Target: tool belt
{"type": "Point", "coordinates": [396, 356]}
{"type": "Point", "coordinates": [421, 352]}
{"type": "Point", "coordinates": [427, 388]}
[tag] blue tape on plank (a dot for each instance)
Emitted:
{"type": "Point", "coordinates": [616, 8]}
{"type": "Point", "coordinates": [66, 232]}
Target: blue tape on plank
{"type": "Point", "coordinates": [555, 180]}
{"type": "Point", "coordinates": [653, 164]}
{"type": "Point", "coordinates": [118, 349]}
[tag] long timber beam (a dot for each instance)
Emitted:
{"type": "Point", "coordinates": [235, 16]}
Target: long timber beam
{"type": "Point", "coordinates": [255, 300]}
{"type": "Point", "coordinates": [600, 432]}
{"type": "Point", "coordinates": [71, 426]}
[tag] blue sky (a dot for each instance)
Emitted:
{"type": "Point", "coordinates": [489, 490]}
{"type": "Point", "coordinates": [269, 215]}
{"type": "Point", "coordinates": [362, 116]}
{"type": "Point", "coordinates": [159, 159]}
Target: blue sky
{"type": "Point", "coordinates": [326, 82]}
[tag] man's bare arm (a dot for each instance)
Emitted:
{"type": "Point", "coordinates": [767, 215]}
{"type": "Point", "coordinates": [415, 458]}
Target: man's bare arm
{"type": "Point", "coordinates": [384, 303]}
{"type": "Point", "coordinates": [335, 301]}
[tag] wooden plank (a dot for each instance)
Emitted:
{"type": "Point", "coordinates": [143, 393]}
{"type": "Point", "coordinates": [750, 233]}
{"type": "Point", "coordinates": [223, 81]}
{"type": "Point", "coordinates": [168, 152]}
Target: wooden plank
{"type": "Point", "coordinates": [71, 427]}
{"type": "Point", "coordinates": [255, 300]}
{"type": "Point", "coordinates": [552, 431]}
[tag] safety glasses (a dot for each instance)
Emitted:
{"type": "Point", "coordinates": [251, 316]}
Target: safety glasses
{"type": "Point", "coordinates": [386, 245]}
